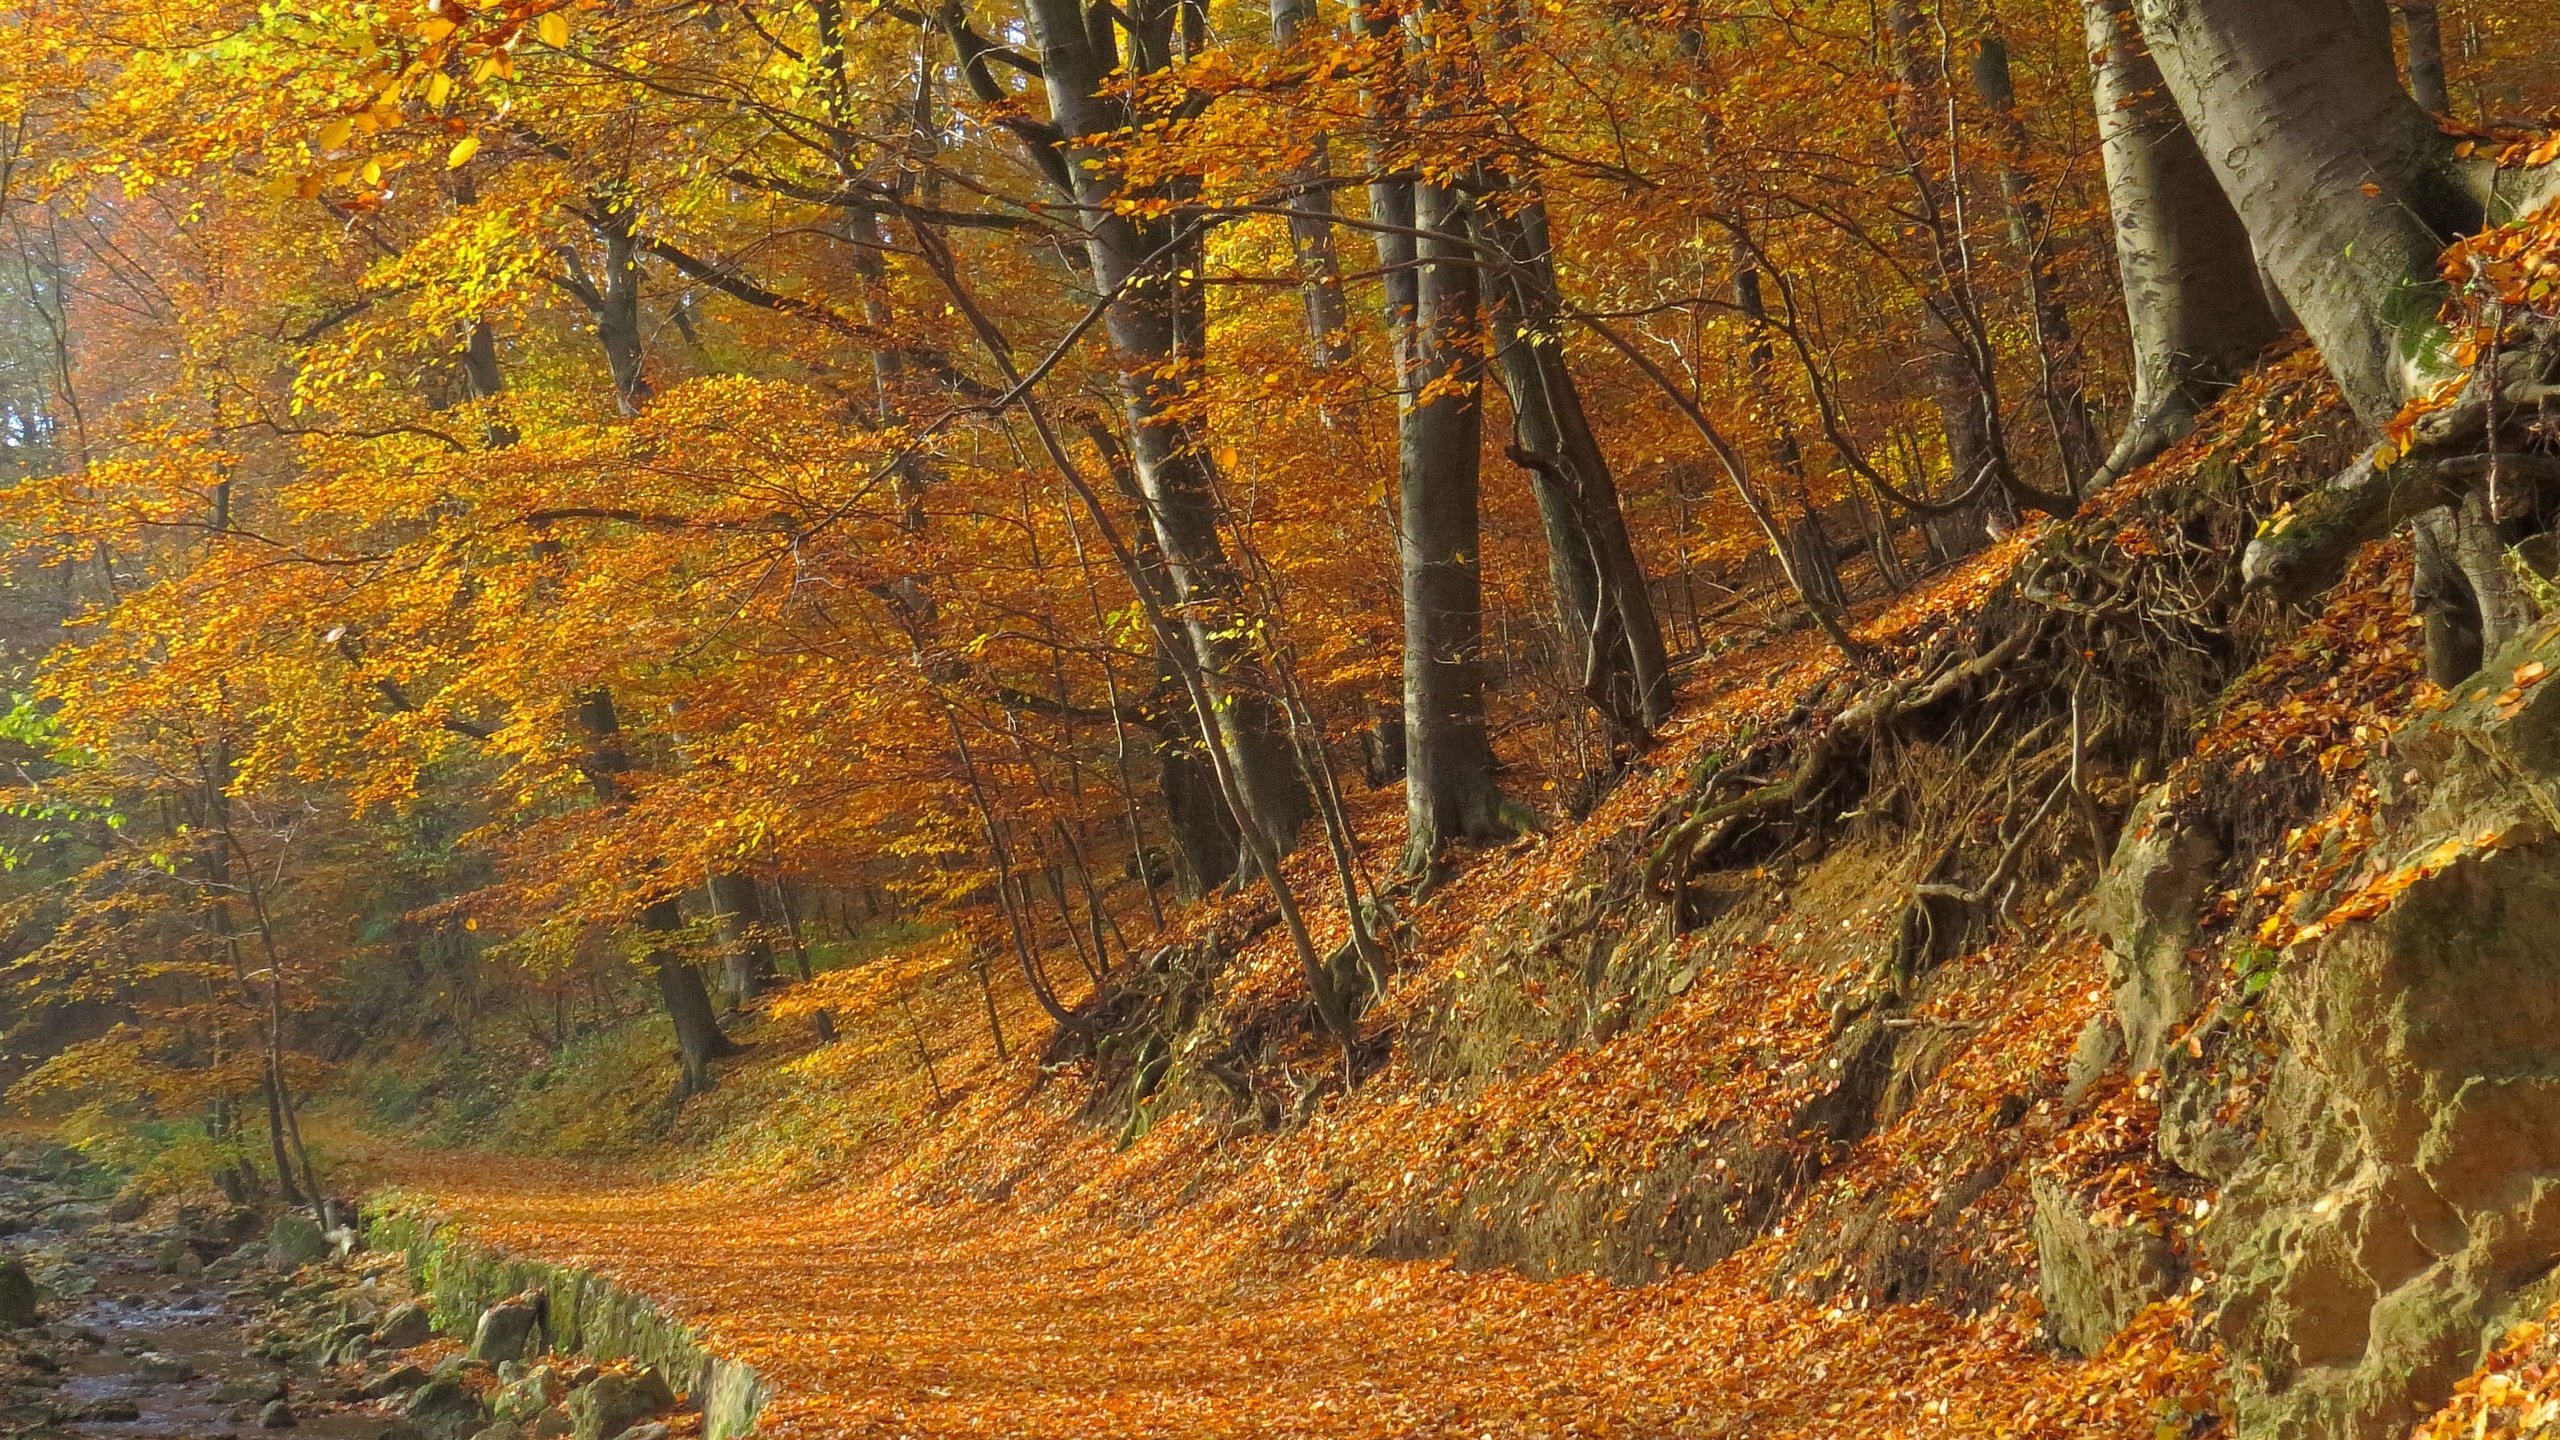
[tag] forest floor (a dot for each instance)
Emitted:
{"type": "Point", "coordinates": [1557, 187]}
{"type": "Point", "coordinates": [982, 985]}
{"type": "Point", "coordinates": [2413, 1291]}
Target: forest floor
{"type": "Point", "coordinates": [871, 1314]}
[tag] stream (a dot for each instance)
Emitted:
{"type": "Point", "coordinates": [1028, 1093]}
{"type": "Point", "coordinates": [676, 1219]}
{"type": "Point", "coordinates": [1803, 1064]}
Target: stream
{"type": "Point", "coordinates": [146, 1327]}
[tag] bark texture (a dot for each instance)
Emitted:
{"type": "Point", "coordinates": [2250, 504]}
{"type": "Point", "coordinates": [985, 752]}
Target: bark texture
{"type": "Point", "coordinates": [2193, 301]}
{"type": "Point", "coordinates": [1450, 794]}
{"type": "Point", "coordinates": [1154, 318]}
{"type": "Point", "coordinates": [2344, 184]}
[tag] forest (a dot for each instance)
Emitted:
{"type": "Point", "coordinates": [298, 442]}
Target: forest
{"type": "Point", "coordinates": [1338, 717]}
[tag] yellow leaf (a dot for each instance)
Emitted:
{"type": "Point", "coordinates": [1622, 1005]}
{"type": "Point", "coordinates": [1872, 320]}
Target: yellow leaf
{"type": "Point", "coordinates": [553, 28]}
{"type": "Point", "coordinates": [439, 89]}
{"type": "Point", "coordinates": [463, 150]}
{"type": "Point", "coordinates": [335, 133]}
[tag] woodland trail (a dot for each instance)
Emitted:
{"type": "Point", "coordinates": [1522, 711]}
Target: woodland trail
{"type": "Point", "coordinates": [874, 1315]}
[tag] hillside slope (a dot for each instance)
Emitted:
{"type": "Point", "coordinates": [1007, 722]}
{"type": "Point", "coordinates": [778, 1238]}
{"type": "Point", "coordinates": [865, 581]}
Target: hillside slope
{"type": "Point", "coordinates": [1829, 1026]}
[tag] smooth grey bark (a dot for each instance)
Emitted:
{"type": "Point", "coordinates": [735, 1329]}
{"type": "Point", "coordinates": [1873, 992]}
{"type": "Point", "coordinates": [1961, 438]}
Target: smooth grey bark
{"type": "Point", "coordinates": [1450, 795]}
{"type": "Point", "coordinates": [1147, 324]}
{"type": "Point", "coordinates": [2345, 185]}
{"type": "Point", "coordinates": [1815, 565]}
{"type": "Point", "coordinates": [699, 1039]}
{"type": "Point", "coordinates": [1604, 604]}
{"type": "Point", "coordinates": [2197, 313]}
{"type": "Point", "coordinates": [1311, 219]}
{"type": "Point", "coordinates": [613, 298]}
{"type": "Point", "coordinates": [2422, 30]}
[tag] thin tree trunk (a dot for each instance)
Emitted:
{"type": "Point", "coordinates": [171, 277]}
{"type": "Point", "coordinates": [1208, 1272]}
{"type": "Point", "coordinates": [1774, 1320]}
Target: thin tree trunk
{"type": "Point", "coordinates": [746, 962]}
{"type": "Point", "coordinates": [699, 1040]}
{"type": "Point", "coordinates": [1146, 324]}
{"type": "Point", "coordinates": [1967, 414]}
{"type": "Point", "coordinates": [1311, 219]}
{"type": "Point", "coordinates": [1604, 604]}
{"type": "Point", "coordinates": [2066, 402]}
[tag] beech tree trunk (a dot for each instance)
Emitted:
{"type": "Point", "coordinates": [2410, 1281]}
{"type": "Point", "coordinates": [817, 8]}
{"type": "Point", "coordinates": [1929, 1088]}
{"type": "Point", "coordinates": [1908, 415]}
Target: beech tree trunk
{"type": "Point", "coordinates": [1604, 606]}
{"type": "Point", "coordinates": [2066, 402]}
{"type": "Point", "coordinates": [1967, 415]}
{"type": "Point", "coordinates": [699, 1040]}
{"type": "Point", "coordinates": [2345, 185]}
{"type": "Point", "coordinates": [2422, 29]}
{"type": "Point", "coordinates": [1311, 220]}
{"type": "Point", "coordinates": [1450, 796]}
{"type": "Point", "coordinates": [746, 964]}
{"type": "Point", "coordinates": [1146, 324]}
{"type": "Point", "coordinates": [2193, 301]}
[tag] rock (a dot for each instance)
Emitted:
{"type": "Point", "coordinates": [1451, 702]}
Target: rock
{"type": "Point", "coordinates": [237, 1226]}
{"type": "Point", "coordinates": [43, 1362]}
{"type": "Point", "coordinates": [159, 1368]}
{"type": "Point", "coordinates": [249, 1390]}
{"type": "Point", "coordinates": [343, 1342]}
{"type": "Point", "coordinates": [2402, 1197]}
{"type": "Point", "coordinates": [445, 1409]}
{"type": "Point", "coordinates": [399, 1380]}
{"type": "Point", "coordinates": [2146, 905]}
{"type": "Point", "coordinates": [2095, 1276]}
{"type": "Point", "coordinates": [295, 1241]}
{"type": "Point", "coordinates": [176, 1257]}
{"type": "Point", "coordinates": [276, 1415]}
{"type": "Point", "coordinates": [2092, 1056]}
{"type": "Point", "coordinates": [17, 1296]}
{"type": "Point", "coordinates": [529, 1394]}
{"type": "Point", "coordinates": [403, 1327]}
{"type": "Point", "coordinates": [651, 1431]}
{"type": "Point", "coordinates": [130, 1204]}
{"type": "Point", "coordinates": [108, 1412]}
{"type": "Point", "coordinates": [500, 1431]}
{"type": "Point", "coordinates": [615, 1401]}
{"type": "Point", "coordinates": [505, 1331]}
{"type": "Point", "coordinates": [551, 1424]}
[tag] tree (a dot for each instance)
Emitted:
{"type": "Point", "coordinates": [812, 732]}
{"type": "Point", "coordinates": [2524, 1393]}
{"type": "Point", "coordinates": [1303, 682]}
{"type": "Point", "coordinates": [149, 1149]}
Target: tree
{"type": "Point", "coordinates": [2193, 302]}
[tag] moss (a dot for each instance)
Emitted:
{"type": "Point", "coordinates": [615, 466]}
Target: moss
{"type": "Point", "coordinates": [588, 1314]}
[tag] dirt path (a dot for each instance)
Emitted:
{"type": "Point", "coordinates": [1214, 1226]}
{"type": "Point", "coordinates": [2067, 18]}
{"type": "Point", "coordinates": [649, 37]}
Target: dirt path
{"type": "Point", "coordinates": [876, 1319]}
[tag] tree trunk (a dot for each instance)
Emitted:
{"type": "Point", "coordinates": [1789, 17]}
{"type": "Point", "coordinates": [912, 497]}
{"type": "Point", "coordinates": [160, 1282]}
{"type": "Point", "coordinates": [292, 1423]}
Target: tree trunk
{"type": "Point", "coordinates": [2344, 184]}
{"type": "Point", "coordinates": [699, 1040]}
{"type": "Point", "coordinates": [1966, 413]}
{"type": "Point", "coordinates": [698, 1036]}
{"type": "Point", "coordinates": [2193, 302]}
{"type": "Point", "coordinates": [1604, 605]}
{"type": "Point", "coordinates": [616, 305]}
{"type": "Point", "coordinates": [746, 962]}
{"type": "Point", "coordinates": [1146, 324]}
{"type": "Point", "coordinates": [2066, 402]}
{"type": "Point", "coordinates": [1311, 220]}
{"type": "Point", "coordinates": [1450, 796]}
{"type": "Point", "coordinates": [2422, 27]}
